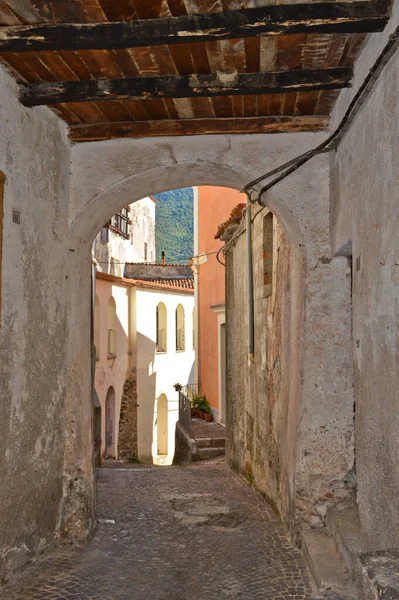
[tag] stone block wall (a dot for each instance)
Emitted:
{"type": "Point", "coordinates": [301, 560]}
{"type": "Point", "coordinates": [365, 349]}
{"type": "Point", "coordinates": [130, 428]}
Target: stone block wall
{"type": "Point", "coordinates": [258, 392]}
{"type": "Point", "coordinates": [127, 439]}
{"type": "Point", "coordinates": [289, 406]}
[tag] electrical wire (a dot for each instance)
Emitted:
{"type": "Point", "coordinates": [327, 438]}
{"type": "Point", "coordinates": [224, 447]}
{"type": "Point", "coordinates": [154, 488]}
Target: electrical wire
{"type": "Point", "coordinates": [332, 142]}
{"type": "Point", "coordinates": [217, 255]}
{"type": "Point", "coordinates": [106, 262]}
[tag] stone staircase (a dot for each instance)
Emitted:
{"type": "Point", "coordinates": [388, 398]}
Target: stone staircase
{"type": "Point", "coordinates": [210, 439]}
{"type": "Point", "coordinates": [338, 565]}
{"type": "Point", "coordinates": [211, 447]}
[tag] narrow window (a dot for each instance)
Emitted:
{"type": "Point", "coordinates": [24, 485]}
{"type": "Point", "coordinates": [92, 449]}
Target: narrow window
{"type": "Point", "coordinates": [193, 328]}
{"type": "Point", "coordinates": [180, 329]}
{"type": "Point", "coordinates": [97, 327]}
{"type": "Point", "coordinates": [161, 328]}
{"type": "Point", "coordinates": [111, 328]}
{"type": "Point", "coordinates": [2, 179]}
{"type": "Point", "coordinates": [267, 255]}
{"type": "Point", "coordinates": [145, 251]}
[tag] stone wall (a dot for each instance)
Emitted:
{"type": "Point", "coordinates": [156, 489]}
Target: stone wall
{"type": "Point", "coordinates": [365, 217]}
{"type": "Point", "coordinates": [127, 439]}
{"type": "Point", "coordinates": [257, 398]}
{"type": "Point", "coordinates": [37, 491]}
{"type": "Point", "coordinates": [291, 434]}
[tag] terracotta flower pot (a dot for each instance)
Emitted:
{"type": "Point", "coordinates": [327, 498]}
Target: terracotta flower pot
{"type": "Point", "coordinates": [208, 417]}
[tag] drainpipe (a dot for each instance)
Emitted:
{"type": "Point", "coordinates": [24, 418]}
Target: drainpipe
{"type": "Point", "coordinates": [250, 280]}
{"type": "Point", "coordinates": [93, 285]}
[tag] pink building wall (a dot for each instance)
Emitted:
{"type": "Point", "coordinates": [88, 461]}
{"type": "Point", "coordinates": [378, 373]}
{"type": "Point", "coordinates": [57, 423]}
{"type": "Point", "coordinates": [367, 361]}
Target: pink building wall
{"type": "Point", "coordinates": [214, 207]}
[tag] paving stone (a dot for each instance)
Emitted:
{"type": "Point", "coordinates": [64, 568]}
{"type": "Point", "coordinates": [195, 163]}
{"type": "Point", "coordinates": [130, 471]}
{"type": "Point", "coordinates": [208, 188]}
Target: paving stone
{"type": "Point", "coordinates": [179, 533]}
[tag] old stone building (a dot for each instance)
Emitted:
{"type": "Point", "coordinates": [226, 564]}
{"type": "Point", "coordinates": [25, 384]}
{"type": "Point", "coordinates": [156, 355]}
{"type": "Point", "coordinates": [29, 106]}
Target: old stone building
{"type": "Point", "coordinates": [312, 403]}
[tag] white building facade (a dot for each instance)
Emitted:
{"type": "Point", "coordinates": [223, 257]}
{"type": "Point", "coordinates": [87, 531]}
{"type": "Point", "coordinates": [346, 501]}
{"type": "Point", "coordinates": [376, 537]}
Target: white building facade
{"type": "Point", "coordinates": [143, 335]}
{"type": "Point", "coordinates": [129, 236]}
{"type": "Point", "coordinates": [165, 356]}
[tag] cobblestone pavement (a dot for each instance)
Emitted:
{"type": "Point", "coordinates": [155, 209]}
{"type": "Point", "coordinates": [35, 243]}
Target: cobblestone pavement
{"type": "Point", "coordinates": [173, 533]}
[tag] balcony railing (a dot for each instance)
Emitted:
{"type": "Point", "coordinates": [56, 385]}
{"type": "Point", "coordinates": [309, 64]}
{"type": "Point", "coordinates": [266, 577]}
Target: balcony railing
{"type": "Point", "coordinates": [185, 412]}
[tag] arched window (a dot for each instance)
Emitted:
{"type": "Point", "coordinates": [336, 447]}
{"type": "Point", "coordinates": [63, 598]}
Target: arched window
{"type": "Point", "coordinates": [161, 328]}
{"type": "Point", "coordinates": [180, 329]}
{"type": "Point", "coordinates": [96, 334]}
{"type": "Point", "coordinates": [111, 327]}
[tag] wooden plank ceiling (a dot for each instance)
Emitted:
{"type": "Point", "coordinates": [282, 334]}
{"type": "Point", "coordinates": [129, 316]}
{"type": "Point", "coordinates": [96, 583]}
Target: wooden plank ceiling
{"type": "Point", "coordinates": [111, 91]}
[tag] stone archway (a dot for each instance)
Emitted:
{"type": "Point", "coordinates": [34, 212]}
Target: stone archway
{"type": "Point", "coordinates": [109, 175]}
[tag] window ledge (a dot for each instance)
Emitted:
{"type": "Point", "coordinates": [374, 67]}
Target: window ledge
{"type": "Point", "coordinates": [161, 352]}
{"type": "Point", "coordinates": [180, 351]}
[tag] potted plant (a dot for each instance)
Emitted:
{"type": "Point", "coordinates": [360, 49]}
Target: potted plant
{"type": "Point", "coordinates": [203, 408]}
{"type": "Point", "coordinates": [178, 387]}
{"type": "Point", "coordinates": [194, 405]}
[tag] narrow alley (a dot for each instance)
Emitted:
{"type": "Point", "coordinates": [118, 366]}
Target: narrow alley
{"type": "Point", "coordinates": [173, 533]}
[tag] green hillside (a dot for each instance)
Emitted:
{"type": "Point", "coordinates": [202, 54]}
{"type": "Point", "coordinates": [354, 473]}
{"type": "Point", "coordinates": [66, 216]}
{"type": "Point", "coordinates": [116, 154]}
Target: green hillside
{"type": "Point", "coordinates": [174, 225]}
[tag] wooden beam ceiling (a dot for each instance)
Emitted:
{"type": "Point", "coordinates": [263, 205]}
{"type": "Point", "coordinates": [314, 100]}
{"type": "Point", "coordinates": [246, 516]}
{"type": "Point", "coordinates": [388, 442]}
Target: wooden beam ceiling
{"type": "Point", "coordinates": [321, 18]}
{"type": "Point", "coordinates": [185, 86]}
{"type": "Point", "coordinates": [168, 127]}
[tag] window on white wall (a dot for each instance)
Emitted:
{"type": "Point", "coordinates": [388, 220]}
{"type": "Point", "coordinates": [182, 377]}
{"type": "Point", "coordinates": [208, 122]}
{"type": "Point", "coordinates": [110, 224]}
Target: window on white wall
{"type": "Point", "coordinates": [111, 327]}
{"type": "Point", "coordinates": [180, 329]}
{"type": "Point", "coordinates": [161, 328]}
{"type": "Point", "coordinates": [96, 336]}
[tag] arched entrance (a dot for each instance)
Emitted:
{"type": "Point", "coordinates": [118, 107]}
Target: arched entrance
{"type": "Point", "coordinates": [110, 423]}
{"type": "Point", "coordinates": [129, 170]}
{"type": "Point", "coordinates": [162, 425]}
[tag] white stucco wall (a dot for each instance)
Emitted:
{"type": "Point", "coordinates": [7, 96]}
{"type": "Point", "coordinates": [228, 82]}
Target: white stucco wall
{"type": "Point", "coordinates": [112, 371]}
{"type": "Point", "coordinates": [142, 215]}
{"type": "Point", "coordinates": [157, 373]}
{"type": "Point", "coordinates": [112, 255]}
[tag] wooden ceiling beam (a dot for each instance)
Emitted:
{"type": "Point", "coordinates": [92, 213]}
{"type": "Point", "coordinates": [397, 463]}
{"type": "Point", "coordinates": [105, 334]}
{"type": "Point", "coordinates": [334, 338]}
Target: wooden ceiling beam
{"type": "Point", "coordinates": [95, 132]}
{"type": "Point", "coordinates": [321, 17]}
{"type": "Point", "coordinates": [185, 86]}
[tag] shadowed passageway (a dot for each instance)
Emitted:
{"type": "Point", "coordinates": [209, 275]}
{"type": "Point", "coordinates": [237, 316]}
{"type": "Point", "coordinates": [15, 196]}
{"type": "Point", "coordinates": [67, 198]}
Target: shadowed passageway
{"type": "Point", "coordinates": [174, 533]}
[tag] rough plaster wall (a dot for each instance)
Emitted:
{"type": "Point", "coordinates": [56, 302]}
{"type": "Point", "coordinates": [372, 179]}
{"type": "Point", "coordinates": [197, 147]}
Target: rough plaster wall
{"type": "Point", "coordinates": [364, 209]}
{"type": "Point", "coordinates": [106, 175]}
{"type": "Point", "coordinates": [258, 410]}
{"type": "Point", "coordinates": [141, 230]}
{"type": "Point", "coordinates": [293, 438]}
{"type": "Point", "coordinates": [35, 158]}
{"type": "Point", "coordinates": [142, 215]}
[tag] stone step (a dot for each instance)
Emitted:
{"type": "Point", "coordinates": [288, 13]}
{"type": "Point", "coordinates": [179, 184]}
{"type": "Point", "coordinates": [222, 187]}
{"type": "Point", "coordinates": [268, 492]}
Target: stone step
{"type": "Point", "coordinates": [344, 528]}
{"type": "Point", "coordinates": [379, 575]}
{"type": "Point", "coordinates": [211, 442]}
{"type": "Point", "coordinates": [204, 453]}
{"type": "Point", "coordinates": [327, 569]}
